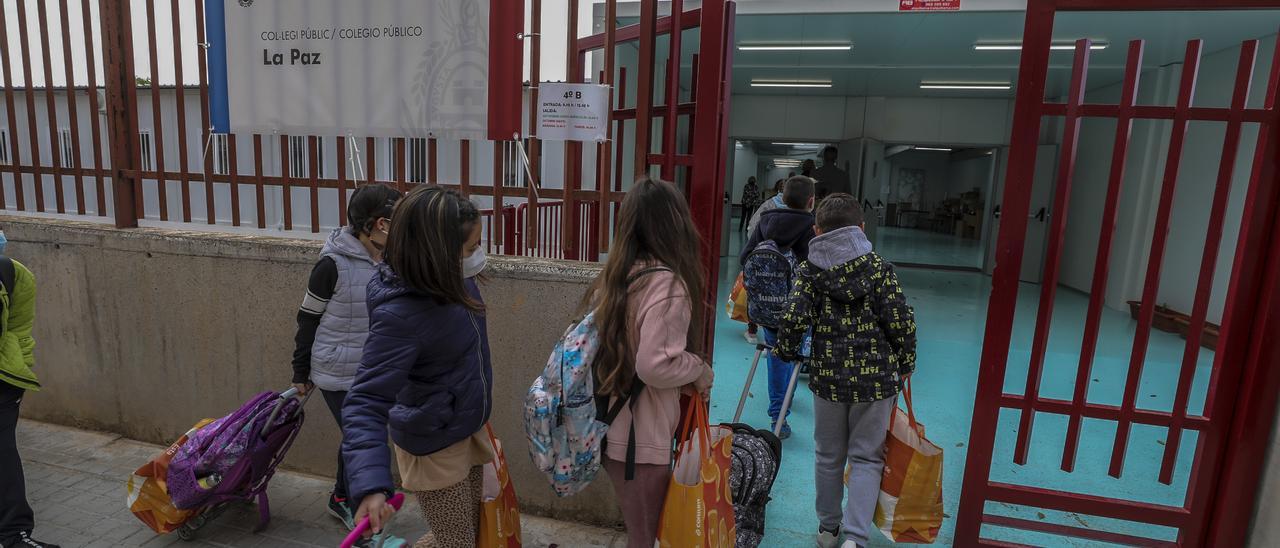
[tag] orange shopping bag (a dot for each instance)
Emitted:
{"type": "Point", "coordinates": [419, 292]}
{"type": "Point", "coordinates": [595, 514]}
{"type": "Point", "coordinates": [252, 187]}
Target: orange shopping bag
{"type": "Point", "coordinates": [698, 511]}
{"type": "Point", "coordinates": [736, 308]}
{"type": "Point", "coordinates": [149, 496]}
{"type": "Point", "coordinates": [910, 506]}
{"type": "Point", "coordinates": [499, 511]}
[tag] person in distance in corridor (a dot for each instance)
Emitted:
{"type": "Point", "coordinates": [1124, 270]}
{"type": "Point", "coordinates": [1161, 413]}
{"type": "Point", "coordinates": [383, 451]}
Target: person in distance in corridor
{"type": "Point", "coordinates": [648, 313]}
{"type": "Point", "coordinates": [333, 320]}
{"type": "Point", "coordinates": [17, 358]}
{"type": "Point", "coordinates": [425, 374]}
{"type": "Point", "coordinates": [830, 177]}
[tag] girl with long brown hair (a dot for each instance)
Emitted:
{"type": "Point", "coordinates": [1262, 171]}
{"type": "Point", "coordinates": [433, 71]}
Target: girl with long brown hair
{"type": "Point", "coordinates": [648, 310]}
{"type": "Point", "coordinates": [425, 375]}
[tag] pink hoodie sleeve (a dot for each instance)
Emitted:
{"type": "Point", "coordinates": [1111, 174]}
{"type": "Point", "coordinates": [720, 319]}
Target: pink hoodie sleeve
{"type": "Point", "coordinates": [664, 311]}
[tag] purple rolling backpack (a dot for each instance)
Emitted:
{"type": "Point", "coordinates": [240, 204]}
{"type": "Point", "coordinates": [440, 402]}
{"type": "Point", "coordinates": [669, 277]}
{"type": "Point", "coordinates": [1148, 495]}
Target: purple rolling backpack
{"type": "Point", "coordinates": [234, 457]}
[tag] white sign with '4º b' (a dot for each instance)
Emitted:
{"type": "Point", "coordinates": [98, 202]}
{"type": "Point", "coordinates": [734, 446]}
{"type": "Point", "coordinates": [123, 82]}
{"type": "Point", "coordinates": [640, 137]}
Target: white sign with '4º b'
{"type": "Point", "coordinates": [572, 112]}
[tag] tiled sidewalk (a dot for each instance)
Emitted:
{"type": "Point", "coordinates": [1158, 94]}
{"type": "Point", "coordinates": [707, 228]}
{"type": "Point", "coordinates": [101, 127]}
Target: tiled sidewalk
{"type": "Point", "coordinates": [76, 484]}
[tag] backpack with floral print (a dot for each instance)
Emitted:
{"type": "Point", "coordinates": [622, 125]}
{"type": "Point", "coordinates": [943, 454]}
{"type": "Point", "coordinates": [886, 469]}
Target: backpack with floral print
{"type": "Point", "coordinates": [564, 419]}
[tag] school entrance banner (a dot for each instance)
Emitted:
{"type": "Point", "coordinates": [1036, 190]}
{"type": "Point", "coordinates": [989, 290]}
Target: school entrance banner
{"type": "Point", "coordinates": [368, 68]}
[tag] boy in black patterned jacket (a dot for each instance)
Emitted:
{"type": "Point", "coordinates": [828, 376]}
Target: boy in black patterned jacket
{"type": "Point", "coordinates": [864, 347]}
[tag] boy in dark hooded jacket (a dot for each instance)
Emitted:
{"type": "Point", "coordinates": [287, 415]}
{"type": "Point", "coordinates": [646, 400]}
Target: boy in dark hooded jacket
{"type": "Point", "coordinates": [864, 347]}
{"type": "Point", "coordinates": [790, 228]}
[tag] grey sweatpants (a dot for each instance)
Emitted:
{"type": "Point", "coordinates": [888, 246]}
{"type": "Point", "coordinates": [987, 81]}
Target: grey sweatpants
{"type": "Point", "coordinates": [852, 433]}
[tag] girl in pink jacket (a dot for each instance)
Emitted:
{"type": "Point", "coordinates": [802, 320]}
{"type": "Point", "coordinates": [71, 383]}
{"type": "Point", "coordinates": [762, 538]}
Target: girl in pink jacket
{"type": "Point", "coordinates": [647, 304]}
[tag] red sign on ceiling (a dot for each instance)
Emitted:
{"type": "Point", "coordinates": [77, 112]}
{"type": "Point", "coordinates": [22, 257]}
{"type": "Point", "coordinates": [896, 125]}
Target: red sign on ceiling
{"type": "Point", "coordinates": [929, 5]}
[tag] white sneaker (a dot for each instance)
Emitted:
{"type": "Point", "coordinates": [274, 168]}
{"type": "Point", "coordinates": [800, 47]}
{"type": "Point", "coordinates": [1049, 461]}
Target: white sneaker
{"type": "Point", "coordinates": [827, 540]}
{"type": "Point", "coordinates": [751, 337]}
{"type": "Point", "coordinates": [850, 544]}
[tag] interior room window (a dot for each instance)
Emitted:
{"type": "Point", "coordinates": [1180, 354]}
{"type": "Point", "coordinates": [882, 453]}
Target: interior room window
{"type": "Point", "coordinates": [300, 156]}
{"type": "Point", "coordinates": [4, 147]}
{"type": "Point", "coordinates": [146, 146]}
{"type": "Point", "coordinates": [417, 153]}
{"type": "Point", "coordinates": [68, 151]}
{"type": "Point", "coordinates": [221, 154]}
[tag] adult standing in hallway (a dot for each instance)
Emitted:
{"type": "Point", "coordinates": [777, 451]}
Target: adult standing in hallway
{"type": "Point", "coordinates": [750, 201]}
{"type": "Point", "coordinates": [830, 177]}
{"type": "Point", "coordinates": [17, 358]}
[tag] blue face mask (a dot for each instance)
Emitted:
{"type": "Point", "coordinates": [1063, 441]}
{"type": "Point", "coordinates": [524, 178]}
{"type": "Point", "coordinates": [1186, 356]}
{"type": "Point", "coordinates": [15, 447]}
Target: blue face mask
{"type": "Point", "coordinates": [3, 241]}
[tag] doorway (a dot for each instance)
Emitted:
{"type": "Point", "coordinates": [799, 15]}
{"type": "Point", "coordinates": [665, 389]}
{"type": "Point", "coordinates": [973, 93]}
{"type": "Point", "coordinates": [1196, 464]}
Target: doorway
{"type": "Point", "coordinates": [872, 100]}
{"type": "Point", "coordinates": [933, 211]}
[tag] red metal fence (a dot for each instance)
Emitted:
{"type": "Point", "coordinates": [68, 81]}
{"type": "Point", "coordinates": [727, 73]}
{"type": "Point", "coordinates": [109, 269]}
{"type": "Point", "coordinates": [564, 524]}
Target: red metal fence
{"type": "Point", "coordinates": [1223, 480]}
{"type": "Point", "coordinates": [175, 170]}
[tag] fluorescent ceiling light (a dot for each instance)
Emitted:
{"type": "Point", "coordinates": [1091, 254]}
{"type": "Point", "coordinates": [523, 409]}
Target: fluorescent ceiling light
{"type": "Point", "coordinates": [791, 83]}
{"type": "Point", "coordinates": [798, 145]}
{"type": "Point", "coordinates": [966, 85]}
{"type": "Point", "coordinates": [795, 47]}
{"type": "Point", "coordinates": [1016, 46]}
{"type": "Point", "coordinates": [933, 149]}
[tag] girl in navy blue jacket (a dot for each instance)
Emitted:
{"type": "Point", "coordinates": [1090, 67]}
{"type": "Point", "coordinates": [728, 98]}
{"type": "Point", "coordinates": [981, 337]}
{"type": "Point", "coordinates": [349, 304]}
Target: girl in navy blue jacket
{"type": "Point", "coordinates": [425, 373]}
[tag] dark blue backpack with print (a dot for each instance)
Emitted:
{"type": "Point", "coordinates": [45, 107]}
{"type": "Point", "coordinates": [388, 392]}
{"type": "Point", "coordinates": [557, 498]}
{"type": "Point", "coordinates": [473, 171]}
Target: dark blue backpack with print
{"type": "Point", "coordinates": [768, 275]}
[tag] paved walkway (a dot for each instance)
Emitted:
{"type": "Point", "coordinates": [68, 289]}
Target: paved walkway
{"type": "Point", "coordinates": [76, 483]}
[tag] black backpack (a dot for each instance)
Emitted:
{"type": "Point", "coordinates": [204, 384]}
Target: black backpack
{"type": "Point", "coordinates": [768, 274]}
{"type": "Point", "coordinates": [757, 456]}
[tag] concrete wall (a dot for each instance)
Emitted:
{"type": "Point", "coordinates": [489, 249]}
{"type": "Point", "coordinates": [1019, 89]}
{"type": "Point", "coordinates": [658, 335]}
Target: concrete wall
{"type": "Point", "coordinates": [143, 332]}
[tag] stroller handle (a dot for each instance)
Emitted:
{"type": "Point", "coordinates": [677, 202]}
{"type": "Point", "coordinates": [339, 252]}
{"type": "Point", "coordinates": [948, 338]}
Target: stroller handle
{"type": "Point", "coordinates": [396, 501]}
{"type": "Point", "coordinates": [284, 397]}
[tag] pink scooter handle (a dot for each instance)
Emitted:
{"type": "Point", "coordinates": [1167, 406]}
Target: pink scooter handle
{"type": "Point", "coordinates": [396, 501]}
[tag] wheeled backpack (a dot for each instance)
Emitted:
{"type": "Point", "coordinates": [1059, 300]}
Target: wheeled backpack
{"type": "Point", "coordinates": [757, 456]}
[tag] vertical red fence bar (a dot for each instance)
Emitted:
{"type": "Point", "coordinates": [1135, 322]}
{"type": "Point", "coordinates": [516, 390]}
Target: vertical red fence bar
{"type": "Point", "coordinates": [671, 120]}
{"type": "Point", "coordinates": [371, 159]}
{"type": "Point", "coordinates": [51, 108]}
{"type": "Point", "coordinates": [604, 154]}
{"type": "Point", "coordinates": [499, 222]}
{"type": "Point", "coordinates": [34, 135]}
{"type": "Point", "coordinates": [621, 135]}
{"type": "Point", "coordinates": [94, 125]}
{"type": "Point", "coordinates": [1102, 262]}
{"type": "Point", "coordinates": [464, 153]}
{"type": "Point", "coordinates": [15, 159]}
{"type": "Point", "coordinates": [534, 148]}
{"type": "Point", "coordinates": [1033, 68]}
{"type": "Point", "coordinates": [157, 120]}
{"type": "Point", "coordinates": [206, 130]}
{"type": "Point", "coordinates": [180, 101]}
{"type": "Point", "coordinates": [401, 180]}
{"type": "Point", "coordinates": [313, 176]}
{"type": "Point", "coordinates": [644, 84]}
{"type": "Point", "coordinates": [1255, 275]}
{"type": "Point", "coordinates": [233, 175]}
{"type": "Point", "coordinates": [1212, 245]}
{"type": "Point", "coordinates": [286, 177]}
{"type": "Point", "coordinates": [572, 149]}
{"type": "Point", "coordinates": [710, 129]}
{"type": "Point", "coordinates": [433, 167]}
{"type": "Point", "coordinates": [1138, 358]}
{"type": "Point", "coordinates": [258, 181]}
{"type": "Point", "coordinates": [122, 111]}
{"type": "Point", "coordinates": [341, 148]}
{"type": "Point", "coordinates": [73, 117]}
{"type": "Point", "coordinates": [1053, 257]}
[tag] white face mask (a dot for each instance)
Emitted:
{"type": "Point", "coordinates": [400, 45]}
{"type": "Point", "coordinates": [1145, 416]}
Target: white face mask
{"type": "Point", "coordinates": [474, 265]}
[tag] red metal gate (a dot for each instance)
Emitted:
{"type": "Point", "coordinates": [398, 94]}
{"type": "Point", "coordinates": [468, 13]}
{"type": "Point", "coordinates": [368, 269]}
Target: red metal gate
{"type": "Point", "coordinates": [705, 135]}
{"type": "Point", "coordinates": [1233, 431]}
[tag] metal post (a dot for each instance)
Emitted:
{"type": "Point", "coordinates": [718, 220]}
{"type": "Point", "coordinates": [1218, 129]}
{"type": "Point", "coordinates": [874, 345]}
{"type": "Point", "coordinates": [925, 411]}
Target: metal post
{"type": "Point", "coordinates": [122, 121]}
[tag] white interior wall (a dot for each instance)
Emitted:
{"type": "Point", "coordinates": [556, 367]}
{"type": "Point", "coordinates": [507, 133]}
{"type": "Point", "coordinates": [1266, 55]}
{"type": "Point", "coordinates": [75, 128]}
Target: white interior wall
{"type": "Point", "coordinates": [745, 165]}
{"type": "Point", "coordinates": [1142, 185]}
{"type": "Point", "coordinates": [917, 120]}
